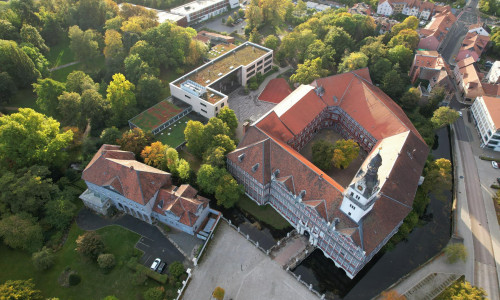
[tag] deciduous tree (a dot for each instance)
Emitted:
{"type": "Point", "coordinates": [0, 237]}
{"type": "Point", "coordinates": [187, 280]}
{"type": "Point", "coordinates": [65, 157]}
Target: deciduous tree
{"type": "Point", "coordinates": [309, 71]}
{"type": "Point", "coordinates": [410, 99]}
{"type": "Point", "coordinates": [17, 64]}
{"type": "Point", "coordinates": [271, 42]}
{"type": "Point", "coordinates": [228, 191]}
{"type": "Point", "coordinates": [183, 169]}
{"type": "Point", "coordinates": [78, 82]}
{"type": "Point", "coordinates": [120, 94]}
{"type": "Point", "coordinates": [345, 152]}
{"type": "Point", "coordinates": [149, 90]}
{"type": "Point", "coordinates": [59, 212]}
{"type": "Point", "coordinates": [21, 232]}
{"type": "Point", "coordinates": [85, 44]}
{"type": "Point", "coordinates": [48, 91]}
{"type": "Point", "coordinates": [30, 35]}
{"type": "Point", "coordinates": [215, 157]}
{"type": "Point", "coordinates": [463, 290]}
{"type": "Point", "coordinates": [455, 252]}
{"type": "Point", "coordinates": [155, 155]}
{"type": "Point", "coordinates": [7, 87]}
{"type": "Point", "coordinates": [28, 138]}
{"type": "Point", "coordinates": [90, 244]}
{"type": "Point", "coordinates": [176, 269]}
{"type": "Point", "coordinates": [135, 140]}
{"type": "Point", "coordinates": [20, 289]}
{"type": "Point", "coordinates": [444, 116]}
{"type": "Point", "coordinates": [113, 48]}
{"type": "Point", "coordinates": [208, 177]}
{"type": "Point", "coordinates": [135, 68]}
{"type": "Point", "coordinates": [218, 293]}
{"type": "Point", "coordinates": [228, 116]}
{"type": "Point", "coordinates": [69, 108]}
{"type": "Point", "coordinates": [408, 38]}
{"type": "Point", "coordinates": [391, 295]}
{"type": "Point", "coordinates": [110, 136]}
{"type": "Point", "coordinates": [43, 259]}
{"type": "Point", "coordinates": [378, 70]}
{"type": "Point", "coordinates": [393, 84]}
{"type": "Point", "coordinates": [339, 40]}
{"type": "Point", "coordinates": [106, 261]}
{"type": "Point", "coordinates": [193, 134]}
{"type": "Point", "coordinates": [322, 154]}
{"type": "Point", "coordinates": [402, 56]}
{"type": "Point", "coordinates": [354, 61]}
{"type": "Point", "coordinates": [95, 109]}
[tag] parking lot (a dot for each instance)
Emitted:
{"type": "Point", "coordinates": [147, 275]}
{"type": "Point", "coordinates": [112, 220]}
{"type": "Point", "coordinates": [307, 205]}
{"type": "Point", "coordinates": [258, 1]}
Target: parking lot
{"type": "Point", "coordinates": [216, 24]}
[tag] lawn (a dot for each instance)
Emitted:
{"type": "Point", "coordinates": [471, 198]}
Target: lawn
{"type": "Point", "coordinates": [156, 115]}
{"type": "Point", "coordinates": [94, 66]}
{"type": "Point", "coordinates": [94, 284]}
{"type": "Point", "coordinates": [194, 162]}
{"type": "Point", "coordinates": [174, 135]}
{"type": "Point", "coordinates": [60, 54]}
{"type": "Point", "coordinates": [265, 213]}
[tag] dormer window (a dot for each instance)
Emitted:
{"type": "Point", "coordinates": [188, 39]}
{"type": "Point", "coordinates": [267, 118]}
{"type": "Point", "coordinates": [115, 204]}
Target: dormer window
{"type": "Point", "coordinates": [241, 157]}
{"type": "Point", "coordinates": [255, 167]}
{"type": "Point", "coordinates": [302, 194]}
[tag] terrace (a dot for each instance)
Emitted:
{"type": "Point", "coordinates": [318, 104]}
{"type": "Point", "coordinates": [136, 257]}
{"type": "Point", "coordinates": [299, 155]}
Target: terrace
{"type": "Point", "coordinates": [214, 70]}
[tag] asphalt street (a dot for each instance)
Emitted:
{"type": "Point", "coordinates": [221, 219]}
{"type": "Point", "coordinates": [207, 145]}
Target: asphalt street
{"type": "Point", "coordinates": [485, 266]}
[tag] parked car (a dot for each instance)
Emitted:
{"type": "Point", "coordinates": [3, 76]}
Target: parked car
{"type": "Point", "coordinates": [460, 114]}
{"type": "Point", "coordinates": [494, 164]}
{"type": "Point", "coordinates": [161, 267]}
{"type": "Point", "coordinates": [155, 264]}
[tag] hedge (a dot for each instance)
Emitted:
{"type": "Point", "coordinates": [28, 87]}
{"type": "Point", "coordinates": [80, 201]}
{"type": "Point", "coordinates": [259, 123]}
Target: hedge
{"type": "Point", "coordinates": [495, 186]}
{"type": "Point", "coordinates": [161, 278]}
{"type": "Point", "coordinates": [489, 158]}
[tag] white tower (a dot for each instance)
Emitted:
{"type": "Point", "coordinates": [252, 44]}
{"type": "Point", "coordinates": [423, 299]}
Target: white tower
{"type": "Point", "coordinates": [362, 193]}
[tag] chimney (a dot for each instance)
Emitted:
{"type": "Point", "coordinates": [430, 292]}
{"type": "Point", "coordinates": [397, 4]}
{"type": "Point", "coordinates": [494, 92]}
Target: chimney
{"type": "Point", "coordinates": [246, 125]}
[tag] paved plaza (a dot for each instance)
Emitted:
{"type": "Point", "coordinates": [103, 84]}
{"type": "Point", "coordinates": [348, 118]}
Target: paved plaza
{"type": "Point", "coordinates": [243, 271]}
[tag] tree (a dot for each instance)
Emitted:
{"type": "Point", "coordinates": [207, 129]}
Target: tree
{"type": "Point", "coordinates": [114, 23]}
{"type": "Point", "coordinates": [48, 91]}
{"type": "Point", "coordinates": [402, 56]}
{"type": "Point", "coordinates": [183, 169]}
{"type": "Point", "coordinates": [455, 252]}
{"type": "Point", "coordinates": [193, 134]}
{"type": "Point", "coordinates": [78, 82]}
{"type": "Point", "coordinates": [374, 50]}
{"type": "Point", "coordinates": [135, 140]}
{"type": "Point", "coordinates": [381, 67]}
{"type": "Point", "coordinates": [25, 190]}
{"type": "Point", "coordinates": [410, 99]}
{"type": "Point", "coordinates": [495, 40]}
{"type": "Point", "coordinates": [255, 36]}
{"type": "Point", "coordinates": [273, 11]}
{"type": "Point", "coordinates": [228, 191]}
{"type": "Point", "coordinates": [110, 136]}
{"type": "Point", "coordinates": [138, 24]}
{"type": "Point", "coordinates": [172, 159]}
{"type": "Point", "coordinates": [93, 13]}
{"type": "Point", "coordinates": [408, 38]}
{"type": "Point", "coordinates": [176, 269]}
{"type": "Point", "coordinates": [17, 64]}
{"type": "Point", "coordinates": [208, 178]}
{"type": "Point", "coordinates": [149, 90]}
{"type": "Point", "coordinates": [218, 293]}
{"type": "Point", "coordinates": [437, 177]}
{"type": "Point", "coordinates": [295, 45]}
{"type": "Point", "coordinates": [154, 293]}
{"type": "Point", "coordinates": [40, 62]}
{"type": "Point", "coordinates": [7, 87]}
{"type": "Point", "coordinates": [354, 61]}
{"type": "Point", "coordinates": [43, 259]}
{"type": "Point", "coordinates": [214, 127]}
{"type": "Point", "coordinates": [90, 244]}
{"type": "Point", "coordinates": [463, 290]}
{"type": "Point", "coordinates": [85, 44]}
{"type": "Point", "coordinates": [339, 40]}
{"type": "Point", "coordinates": [69, 109]}
{"type": "Point", "coordinates": [223, 141]}
{"type": "Point", "coordinates": [21, 232]}
{"type": "Point", "coordinates": [155, 155]}
{"type": "Point", "coordinates": [95, 109]}
{"type": "Point", "coordinates": [28, 138]}
{"type": "Point", "coordinates": [229, 21]}
{"type": "Point", "coordinates": [322, 154]}
{"type": "Point", "coordinates": [393, 84]}
{"type": "Point", "coordinates": [444, 116]}
{"type": "Point", "coordinates": [106, 261]}
{"type": "Point", "coordinates": [345, 152]}
{"type": "Point", "coordinates": [120, 94]}
{"type": "Point", "coordinates": [8, 31]}
{"type": "Point", "coordinates": [309, 71]}
{"type": "Point", "coordinates": [196, 52]}
{"type": "Point", "coordinates": [391, 295]}
{"type": "Point", "coordinates": [59, 212]}
{"type": "Point", "coordinates": [253, 14]}
{"type": "Point", "coordinates": [319, 49]}
{"type": "Point", "coordinates": [271, 42]}
{"type": "Point", "coordinates": [114, 45]}
{"type": "Point", "coordinates": [20, 289]}
{"type": "Point", "coordinates": [30, 35]}
{"type": "Point", "coordinates": [228, 116]}
{"type": "Point", "coordinates": [135, 68]}
{"type": "Point", "coordinates": [241, 13]}
{"type": "Point", "coordinates": [215, 157]}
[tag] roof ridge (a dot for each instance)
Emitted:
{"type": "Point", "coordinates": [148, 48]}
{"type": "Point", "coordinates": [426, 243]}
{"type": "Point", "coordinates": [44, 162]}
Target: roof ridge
{"type": "Point", "coordinates": [346, 89]}
{"type": "Point", "coordinates": [390, 198]}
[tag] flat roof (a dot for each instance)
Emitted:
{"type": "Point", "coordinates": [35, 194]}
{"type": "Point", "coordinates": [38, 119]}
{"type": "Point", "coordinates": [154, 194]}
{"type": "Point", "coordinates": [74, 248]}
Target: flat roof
{"type": "Point", "coordinates": [193, 6]}
{"type": "Point", "coordinates": [217, 68]}
{"type": "Point", "coordinates": [219, 50]}
{"type": "Point", "coordinates": [156, 115]}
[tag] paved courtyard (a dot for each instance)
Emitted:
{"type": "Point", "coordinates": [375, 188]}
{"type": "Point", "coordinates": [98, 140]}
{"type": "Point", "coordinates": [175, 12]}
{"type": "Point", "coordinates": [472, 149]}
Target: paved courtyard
{"type": "Point", "coordinates": [243, 271]}
{"type": "Point", "coordinates": [247, 107]}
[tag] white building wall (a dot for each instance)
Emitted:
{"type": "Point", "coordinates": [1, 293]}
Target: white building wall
{"type": "Point", "coordinates": [199, 105]}
{"type": "Point", "coordinates": [480, 31]}
{"type": "Point", "coordinates": [384, 8]}
{"type": "Point", "coordinates": [494, 73]}
{"type": "Point", "coordinates": [490, 137]}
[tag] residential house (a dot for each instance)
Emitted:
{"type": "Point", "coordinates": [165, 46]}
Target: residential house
{"type": "Point", "coordinates": [468, 79]}
{"type": "Point", "coordinates": [479, 28]}
{"type": "Point", "coordinates": [430, 65]}
{"type": "Point", "coordinates": [348, 222]}
{"type": "Point", "coordinates": [384, 24]}
{"type": "Point", "coordinates": [420, 9]}
{"type": "Point", "coordinates": [360, 9]}
{"type": "Point", "coordinates": [486, 114]}
{"type": "Point", "coordinates": [115, 179]}
{"type": "Point", "coordinates": [472, 46]}
{"type": "Point", "coordinates": [433, 35]}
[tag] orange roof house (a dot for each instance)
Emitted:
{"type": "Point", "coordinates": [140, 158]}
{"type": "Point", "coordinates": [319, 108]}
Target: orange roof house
{"type": "Point", "coordinates": [355, 219]}
{"type": "Point", "coordinates": [114, 177]}
{"type": "Point", "coordinates": [472, 46]}
{"type": "Point", "coordinates": [432, 36]}
{"type": "Point", "coordinates": [276, 90]}
{"type": "Point", "coordinates": [431, 66]}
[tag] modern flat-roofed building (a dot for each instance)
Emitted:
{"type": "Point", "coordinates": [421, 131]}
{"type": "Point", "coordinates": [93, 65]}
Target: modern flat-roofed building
{"type": "Point", "coordinates": [201, 10]}
{"type": "Point", "coordinates": [486, 114]}
{"type": "Point", "coordinates": [493, 75]}
{"type": "Point", "coordinates": [204, 88]}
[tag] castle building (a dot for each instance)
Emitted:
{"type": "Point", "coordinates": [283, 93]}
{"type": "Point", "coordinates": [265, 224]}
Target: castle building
{"type": "Point", "coordinates": [348, 223]}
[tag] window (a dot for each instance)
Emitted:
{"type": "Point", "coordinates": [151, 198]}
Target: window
{"type": "Point", "coordinates": [251, 68]}
{"type": "Point", "coordinates": [250, 74]}
{"type": "Point", "coordinates": [204, 111]}
{"type": "Point", "coordinates": [203, 104]}
{"type": "Point", "coordinates": [222, 105]}
{"type": "Point", "coordinates": [187, 96]}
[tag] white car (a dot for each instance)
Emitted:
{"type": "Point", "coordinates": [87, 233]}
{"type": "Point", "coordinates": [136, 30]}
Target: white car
{"type": "Point", "coordinates": [460, 113]}
{"type": "Point", "coordinates": [155, 264]}
{"type": "Point", "coordinates": [494, 164]}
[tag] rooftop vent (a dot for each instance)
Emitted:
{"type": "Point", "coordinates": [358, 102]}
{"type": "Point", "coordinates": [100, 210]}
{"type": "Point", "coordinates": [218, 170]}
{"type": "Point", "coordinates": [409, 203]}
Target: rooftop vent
{"type": "Point", "coordinates": [241, 157]}
{"type": "Point", "coordinates": [208, 81]}
{"type": "Point", "coordinates": [231, 67]}
{"type": "Point", "coordinates": [220, 74]}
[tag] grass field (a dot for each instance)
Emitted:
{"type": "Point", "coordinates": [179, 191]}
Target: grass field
{"type": "Point", "coordinates": [194, 162]}
{"type": "Point", "coordinates": [174, 135]}
{"type": "Point", "coordinates": [265, 214]}
{"type": "Point", "coordinates": [94, 66]}
{"type": "Point", "coordinates": [94, 284]}
{"type": "Point", "coordinates": [156, 115]}
{"type": "Point", "coordinates": [60, 54]}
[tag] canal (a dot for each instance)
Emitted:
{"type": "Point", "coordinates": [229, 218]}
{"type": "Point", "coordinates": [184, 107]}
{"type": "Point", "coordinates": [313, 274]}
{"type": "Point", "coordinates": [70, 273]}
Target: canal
{"type": "Point", "coordinates": [425, 241]}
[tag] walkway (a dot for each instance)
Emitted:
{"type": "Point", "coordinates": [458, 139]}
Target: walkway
{"type": "Point", "coordinates": [64, 66]}
{"type": "Point", "coordinates": [153, 242]}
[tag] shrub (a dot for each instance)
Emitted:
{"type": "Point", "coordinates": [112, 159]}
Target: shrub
{"type": "Point", "coordinates": [161, 278]}
{"type": "Point", "coordinates": [90, 244]}
{"type": "Point", "coordinates": [454, 252]}
{"type": "Point", "coordinates": [495, 186]}
{"type": "Point", "coordinates": [176, 269]}
{"type": "Point", "coordinates": [74, 279]}
{"type": "Point", "coordinates": [155, 293]}
{"type": "Point", "coordinates": [111, 297]}
{"type": "Point", "coordinates": [106, 261]}
{"type": "Point", "coordinates": [139, 278]}
{"type": "Point", "coordinates": [43, 259]}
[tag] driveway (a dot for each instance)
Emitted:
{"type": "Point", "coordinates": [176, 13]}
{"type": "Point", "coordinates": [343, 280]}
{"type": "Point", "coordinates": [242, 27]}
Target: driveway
{"type": "Point", "coordinates": [152, 242]}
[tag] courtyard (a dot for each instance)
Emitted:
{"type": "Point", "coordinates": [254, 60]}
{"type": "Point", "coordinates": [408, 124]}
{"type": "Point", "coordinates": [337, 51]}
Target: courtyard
{"type": "Point", "coordinates": [345, 176]}
{"type": "Point", "coordinates": [243, 271]}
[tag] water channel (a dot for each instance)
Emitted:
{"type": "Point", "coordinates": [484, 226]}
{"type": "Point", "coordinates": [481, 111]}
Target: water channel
{"type": "Point", "coordinates": [425, 241]}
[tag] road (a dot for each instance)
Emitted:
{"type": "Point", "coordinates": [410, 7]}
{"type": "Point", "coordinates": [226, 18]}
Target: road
{"type": "Point", "coordinates": [485, 275]}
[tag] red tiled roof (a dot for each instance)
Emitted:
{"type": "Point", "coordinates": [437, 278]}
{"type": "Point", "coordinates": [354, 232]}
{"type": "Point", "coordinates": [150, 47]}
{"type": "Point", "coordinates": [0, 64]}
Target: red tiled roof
{"type": "Point", "coordinates": [177, 202]}
{"type": "Point", "coordinates": [276, 90]}
{"type": "Point", "coordinates": [493, 106]}
{"type": "Point", "coordinates": [492, 90]}
{"type": "Point", "coordinates": [297, 117]}
{"type": "Point", "coordinates": [272, 124]}
{"type": "Point", "coordinates": [119, 169]}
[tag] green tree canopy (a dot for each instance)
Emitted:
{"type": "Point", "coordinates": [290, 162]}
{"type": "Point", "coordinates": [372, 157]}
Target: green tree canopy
{"type": "Point", "coordinates": [455, 252]}
{"type": "Point", "coordinates": [393, 84]}
{"type": "Point", "coordinates": [28, 138]}
{"type": "Point", "coordinates": [95, 108]}
{"type": "Point", "coordinates": [208, 178]}
{"type": "Point", "coordinates": [135, 140]}
{"type": "Point", "coordinates": [90, 244]}
{"type": "Point", "coordinates": [378, 70]}
{"type": "Point", "coordinates": [21, 231]}
{"type": "Point", "coordinates": [462, 290]}
{"type": "Point", "coordinates": [43, 259]}
{"type": "Point", "coordinates": [78, 82]}
{"type": "Point", "coordinates": [322, 154]}
{"type": "Point", "coordinates": [120, 94]}
{"type": "Point", "coordinates": [59, 212]}
{"type": "Point", "coordinates": [20, 289]}
{"type": "Point", "coordinates": [407, 37]}
{"type": "Point", "coordinates": [309, 71]}
{"type": "Point", "coordinates": [135, 68]}
{"type": "Point", "coordinates": [271, 42]}
{"type": "Point", "coordinates": [354, 61]}
{"type": "Point", "coordinates": [215, 157]}
{"type": "Point", "coordinates": [149, 91]}
{"type": "Point", "coordinates": [85, 44]}
{"type": "Point", "coordinates": [444, 116]}
{"type": "Point", "coordinates": [110, 136]}
{"type": "Point", "coordinates": [344, 153]}
{"type": "Point", "coordinates": [228, 191]}
{"type": "Point", "coordinates": [48, 92]}
{"type": "Point", "coordinates": [7, 87]}
{"type": "Point", "coordinates": [228, 116]}
{"type": "Point", "coordinates": [69, 108]}
{"type": "Point", "coordinates": [401, 55]}
{"type": "Point", "coordinates": [410, 99]}
{"type": "Point", "coordinates": [30, 35]}
{"type": "Point", "coordinates": [17, 64]}
{"type": "Point", "coordinates": [193, 134]}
